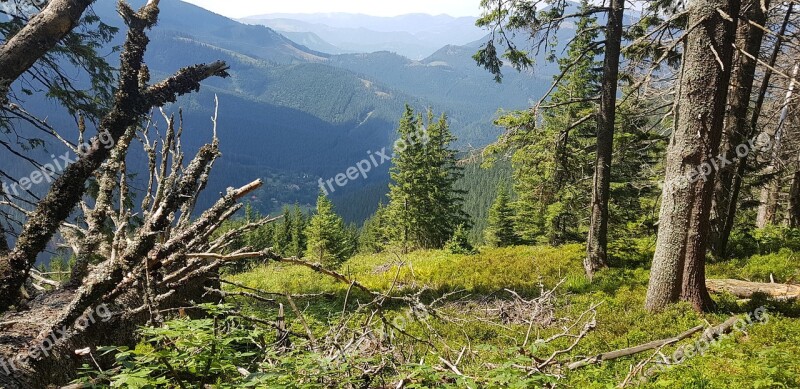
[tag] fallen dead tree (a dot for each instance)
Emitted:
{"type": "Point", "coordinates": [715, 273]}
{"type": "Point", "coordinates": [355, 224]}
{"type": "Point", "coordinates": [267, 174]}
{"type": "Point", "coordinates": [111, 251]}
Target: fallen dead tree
{"type": "Point", "coordinates": [746, 289]}
{"type": "Point", "coordinates": [708, 335]}
{"type": "Point", "coordinates": [133, 262]}
{"type": "Point", "coordinates": [633, 350]}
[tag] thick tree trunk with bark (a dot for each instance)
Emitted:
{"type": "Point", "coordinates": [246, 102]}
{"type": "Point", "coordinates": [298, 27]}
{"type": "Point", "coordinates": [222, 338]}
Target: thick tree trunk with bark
{"type": "Point", "coordinates": [597, 247]}
{"type": "Point", "coordinates": [736, 132]}
{"type": "Point", "coordinates": [678, 270]}
{"type": "Point", "coordinates": [768, 210]}
{"type": "Point", "coordinates": [40, 35]}
{"type": "Point", "coordinates": [131, 103]}
{"type": "Point", "coordinates": [745, 289]}
{"type": "Point", "coordinates": [741, 164]}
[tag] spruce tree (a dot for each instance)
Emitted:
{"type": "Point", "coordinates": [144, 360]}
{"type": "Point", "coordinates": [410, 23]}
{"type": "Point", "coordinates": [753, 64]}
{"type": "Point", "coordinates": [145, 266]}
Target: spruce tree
{"type": "Point", "coordinates": [373, 237]}
{"type": "Point", "coordinates": [500, 229]}
{"type": "Point", "coordinates": [350, 241]}
{"type": "Point", "coordinates": [424, 208]}
{"type": "Point", "coordinates": [552, 158]}
{"type": "Point", "coordinates": [459, 243]}
{"type": "Point", "coordinates": [281, 233]}
{"type": "Point", "coordinates": [405, 190]}
{"type": "Point", "coordinates": [297, 238]}
{"type": "Point", "coordinates": [259, 239]}
{"type": "Point", "coordinates": [326, 235]}
{"type": "Point", "coordinates": [445, 213]}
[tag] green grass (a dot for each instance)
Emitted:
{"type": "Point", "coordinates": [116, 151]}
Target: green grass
{"type": "Point", "coordinates": [764, 356]}
{"type": "Point", "coordinates": [518, 268]}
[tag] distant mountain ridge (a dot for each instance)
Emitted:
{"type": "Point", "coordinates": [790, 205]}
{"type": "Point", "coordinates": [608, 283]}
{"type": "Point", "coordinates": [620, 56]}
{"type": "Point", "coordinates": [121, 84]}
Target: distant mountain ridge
{"type": "Point", "coordinates": [414, 35]}
{"type": "Point", "coordinates": [291, 114]}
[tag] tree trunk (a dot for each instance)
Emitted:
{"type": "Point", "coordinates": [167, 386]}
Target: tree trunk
{"type": "Point", "coordinates": [749, 39]}
{"type": "Point", "coordinates": [39, 36]}
{"type": "Point", "coordinates": [678, 270]}
{"type": "Point", "coordinates": [746, 289]}
{"type": "Point", "coordinates": [23, 364]}
{"type": "Point", "coordinates": [132, 101]}
{"type": "Point", "coordinates": [794, 202]}
{"type": "Point", "coordinates": [768, 199]}
{"type": "Point", "coordinates": [768, 209]}
{"type": "Point", "coordinates": [741, 165]}
{"type": "Point", "coordinates": [597, 247]}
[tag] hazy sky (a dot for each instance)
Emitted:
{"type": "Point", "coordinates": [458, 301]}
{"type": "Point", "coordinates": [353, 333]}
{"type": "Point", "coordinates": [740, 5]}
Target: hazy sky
{"type": "Point", "coordinates": [241, 8]}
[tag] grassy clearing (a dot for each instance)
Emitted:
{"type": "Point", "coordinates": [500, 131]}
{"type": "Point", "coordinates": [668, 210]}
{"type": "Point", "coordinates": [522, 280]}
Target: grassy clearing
{"type": "Point", "coordinates": [765, 355]}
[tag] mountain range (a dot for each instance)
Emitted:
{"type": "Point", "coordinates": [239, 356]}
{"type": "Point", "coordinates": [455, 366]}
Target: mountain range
{"type": "Point", "coordinates": [415, 36]}
{"type": "Point", "coordinates": [291, 114]}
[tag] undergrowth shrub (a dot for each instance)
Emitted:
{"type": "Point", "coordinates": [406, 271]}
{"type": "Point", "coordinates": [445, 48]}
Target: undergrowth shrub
{"type": "Point", "coordinates": [746, 242]}
{"type": "Point", "coordinates": [230, 353]}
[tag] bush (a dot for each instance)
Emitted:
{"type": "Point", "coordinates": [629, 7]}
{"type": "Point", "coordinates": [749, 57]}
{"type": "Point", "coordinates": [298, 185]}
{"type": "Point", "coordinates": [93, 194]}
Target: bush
{"type": "Point", "coordinates": [747, 242]}
{"type": "Point", "coordinates": [782, 265]}
{"type": "Point", "coordinates": [459, 243]}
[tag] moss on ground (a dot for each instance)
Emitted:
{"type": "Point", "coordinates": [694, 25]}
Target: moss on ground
{"type": "Point", "coordinates": [762, 356]}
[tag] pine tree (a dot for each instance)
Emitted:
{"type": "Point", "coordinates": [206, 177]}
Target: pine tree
{"type": "Point", "coordinates": [424, 208]}
{"type": "Point", "coordinates": [297, 239]}
{"type": "Point", "coordinates": [404, 192]}
{"type": "Point", "coordinates": [459, 243]}
{"type": "Point", "coordinates": [445, 212]}
{"type": "Point", "coordinates": [326, 235]}
{"type": "Point", "coordinates": [259, 239]}
{"type": "Point", "coordinates": [500, 230]}
{"type": "Point", "coordinates": [552, 158]}
{"type": "Point", "coordinates": [373, 237]}
{"type": "Point", "coordinates": [350, 241]}
{"type": "Point", "coordinates": [281, 233]}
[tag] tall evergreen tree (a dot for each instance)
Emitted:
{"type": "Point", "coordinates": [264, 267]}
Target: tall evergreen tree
{"type": "Point", "coordinates": [297, 235]}
{"type": "Point", "coordinates": [404, 192]}
{"type": "Point", "coordinates": [424, 208]}
{"type": "Point", "coordinates": [281, 233]}
{"type": "Point", "coordinates": [500, 230]}
{"type": "Point", "coordinates": [373, 237]}
{"type": "Point", "coordinates": [326, 235]}
{"type": "Point", "coordinates": [552, 158]}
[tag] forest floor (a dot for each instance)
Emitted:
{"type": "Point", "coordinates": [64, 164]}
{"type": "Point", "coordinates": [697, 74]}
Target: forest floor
{"type": "Point", "coordinates": [482, 325]}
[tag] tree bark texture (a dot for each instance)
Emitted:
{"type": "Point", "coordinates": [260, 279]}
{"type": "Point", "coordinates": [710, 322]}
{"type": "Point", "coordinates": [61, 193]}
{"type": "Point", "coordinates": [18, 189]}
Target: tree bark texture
{"type": "Point", "coordinates": [741, 164]}
{"type": "Point", "coordinates": [597, 246]}
{"type": "Point", "coordinates": [737, 131]}
{"type": "Point", "coordinates": [678, 271]}
{"type": "Point", "coordinates": [40, 35]}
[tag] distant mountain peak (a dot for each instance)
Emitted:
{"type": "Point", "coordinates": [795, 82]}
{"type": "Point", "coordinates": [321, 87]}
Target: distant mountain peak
{"type": "Point", "coordinates": [415, 35]}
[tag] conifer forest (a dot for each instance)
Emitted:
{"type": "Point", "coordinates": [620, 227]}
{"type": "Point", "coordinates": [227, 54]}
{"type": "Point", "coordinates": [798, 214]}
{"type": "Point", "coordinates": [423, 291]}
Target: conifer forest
{"type": "Point", "coordinates": [352, 194]}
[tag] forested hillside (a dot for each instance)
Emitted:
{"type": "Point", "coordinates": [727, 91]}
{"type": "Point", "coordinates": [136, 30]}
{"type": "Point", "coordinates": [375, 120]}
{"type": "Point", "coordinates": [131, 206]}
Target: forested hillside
{"type": "Point", "coordinates": [293, 107]}
{"type": "Point", "coordinates": [590, 196]}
